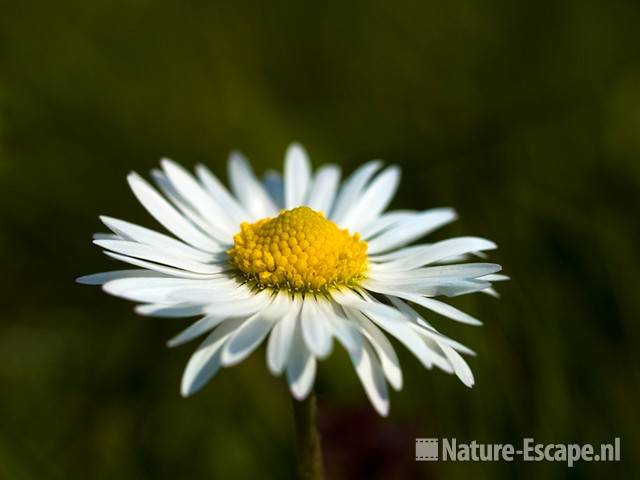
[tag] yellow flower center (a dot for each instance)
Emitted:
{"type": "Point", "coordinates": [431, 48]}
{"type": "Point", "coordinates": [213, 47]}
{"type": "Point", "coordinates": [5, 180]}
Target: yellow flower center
{"type": "Point", "coordinates": [299, 250]}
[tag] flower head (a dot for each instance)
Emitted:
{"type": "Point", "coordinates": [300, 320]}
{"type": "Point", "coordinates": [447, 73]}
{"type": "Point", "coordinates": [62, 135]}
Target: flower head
{"type": "Point", "coordinates": [300, 251]}
{"type": "Point", "coordinates": [301, 259]}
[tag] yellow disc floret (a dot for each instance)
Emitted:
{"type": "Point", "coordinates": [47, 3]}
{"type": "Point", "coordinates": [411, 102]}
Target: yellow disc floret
{"type": "Point", "coordinates": [299, 250]}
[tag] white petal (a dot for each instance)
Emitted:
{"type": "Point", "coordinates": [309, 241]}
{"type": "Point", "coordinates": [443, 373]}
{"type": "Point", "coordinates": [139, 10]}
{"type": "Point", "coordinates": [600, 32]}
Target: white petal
{"type": "Point", "coordinates": [385, 222]}
{"type": "Point", "coordinates": [430, 334]}
{"type": "Point", "coordinates": [245, 339]}
{"type": "Point", "coordinates": [274, 185]}
{"type": "Point", "coordinates": [495, 278]}
{"type": "Point", "coordinates": [104, 277]}
{"type": "Point", "coordinates": [458, 271]}
{"type": "Point", "coordinates": [205, 362]}
{"type": "Point", "coordinates": [442, 347]}
{"type": "Point", "coordinates": [200, 327]}
{"type": "Point", "coordinates": [106, 236]}
{"type": "Point", "coordinates": [301, 366]}
{"type": "Point", "coordinates": [348, 298]}
{"type": "Point", "coordinates": [323, 189]}
{"type": "Point", "coordinates": [388, 319]}
{"type": "Point", "coordinates": [352, 189]}
{"type": "Point", "coordinates": [251, 334]}
{"type": "Point", "coordinates": [221, 286]}
{"type": "Point", "coordinates": [248, 189]}
{"type": "Point", "coordinates": [240, 305]}
{"type": "Point", "coordinates": [223, 303]}
{"type": "Point", "coordinates": [130, 231]}
{"type": "Point", "coordinates": [342, 327]}
{"type": "Point", "coordinates": [212, 297]}
{"type": "Point", "coordinates": [168, 216]}
{"type": "Point", "coordinates": [430, 287]}
{"type": "Point", "coordinates": [154, 254]}
{"type": "Point", "coordinates": [150, 290]}
{"type": "Point", "coordinates": [187, 209]}
{"type": "Point", "coordinates": [411, 228]}
{"type": "Point", "coordinates": [297, 176]}
{"type": "Point", "coordinates": [384, 350]}
{"type": "Point", "coordinates": [431, 354]}
{"type": "Point", "coordinates": [314, 328]}
{"type": "Point", "coordinates": [492, 292]}
{"type": "Point", "coordinates": [412, 250]}
{"type": "Point", "coordinates": [281, 337]}
{"type": "Point", "coordinates": [374, 200]}
{"type": "Point", "coordinates": [217, 290]}
{"type": "Point", "coordinates": [399, 254]}
{"type": "Point", "coordinates": [448, 260]}
{"type": "Point", "coordinates": [372, 378]}
{"type": "Point", "coordinates": [221, 195]}
{"type": "Point", "coordinates": [447, 310]}
{"type": "Point", "coordinates": [460, 366]}
{"type": "Point", "coordinates": [179, 310]}
{"type": "Point", "coordinates": [427, 254]}
{"type": "Point", "coordinates": [440, 307]}
{"type": "Point", "coordinates": [198, 198]}
{"type": "Point", "coordinates": [174, 272]}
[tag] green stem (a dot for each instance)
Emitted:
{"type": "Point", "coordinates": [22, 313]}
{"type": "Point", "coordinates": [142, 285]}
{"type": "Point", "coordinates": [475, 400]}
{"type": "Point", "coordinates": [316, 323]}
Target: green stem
{"type": "Point", "coordinates": [308, 439]}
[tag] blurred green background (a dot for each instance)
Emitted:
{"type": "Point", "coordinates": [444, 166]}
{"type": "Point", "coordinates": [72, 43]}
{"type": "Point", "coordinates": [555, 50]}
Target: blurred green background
{"type": "Point", "coordinates": [525, 116]}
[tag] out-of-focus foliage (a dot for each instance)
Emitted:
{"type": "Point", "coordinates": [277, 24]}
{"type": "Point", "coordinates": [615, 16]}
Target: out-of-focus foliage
{"type": "Point", "coordinates": [525, 116]}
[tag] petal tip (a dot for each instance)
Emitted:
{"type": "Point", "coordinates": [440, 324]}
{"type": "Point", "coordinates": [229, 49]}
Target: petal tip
{"type": "Point", "coordinates": [383, 409]}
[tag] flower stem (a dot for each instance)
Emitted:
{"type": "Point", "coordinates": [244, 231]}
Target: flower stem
{"type": "Point", "coordinates": [308, 439]}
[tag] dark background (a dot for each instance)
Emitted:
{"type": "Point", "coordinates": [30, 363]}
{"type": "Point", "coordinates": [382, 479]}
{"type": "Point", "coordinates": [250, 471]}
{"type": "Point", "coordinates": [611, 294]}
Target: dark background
{"type": "Point", "coordinates": [525, 116]}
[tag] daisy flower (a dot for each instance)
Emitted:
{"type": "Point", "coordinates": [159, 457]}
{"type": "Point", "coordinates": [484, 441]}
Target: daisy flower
{"type": "Point", "coordinates": [301, 258]}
